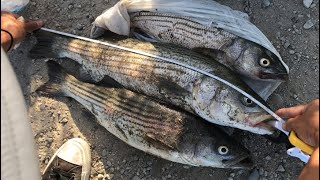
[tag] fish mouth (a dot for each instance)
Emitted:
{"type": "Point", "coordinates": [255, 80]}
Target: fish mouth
{"type": "Point", "coordinates": [260, 120]}
{"type": "Point", "coordinates": [242, 163]}
{"type": "Point", "coordinates": [274, 76]}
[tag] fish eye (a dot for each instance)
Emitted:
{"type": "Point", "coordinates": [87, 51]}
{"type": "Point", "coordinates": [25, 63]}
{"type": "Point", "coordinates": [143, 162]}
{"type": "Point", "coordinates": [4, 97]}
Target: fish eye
{"type": "Point", "coordinates": [247, 102]}
{"type": "Point", "coordinates": [223, 150]}
{"type": "Point", "coordinates": [264, 62]}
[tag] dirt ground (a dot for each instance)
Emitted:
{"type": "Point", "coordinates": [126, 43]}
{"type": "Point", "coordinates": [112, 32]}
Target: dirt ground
{"type": "Point", "coordinates": [56, 120]}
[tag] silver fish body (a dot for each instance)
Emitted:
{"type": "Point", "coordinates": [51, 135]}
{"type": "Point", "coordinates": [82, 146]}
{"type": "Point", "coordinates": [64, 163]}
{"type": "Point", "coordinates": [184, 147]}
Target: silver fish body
{"type": "Point", "coordinates": [149, 126]}
{"type": "Point", "coordinates": [240, 55]}
{"type": "Point", "coordinates": [173, 84]}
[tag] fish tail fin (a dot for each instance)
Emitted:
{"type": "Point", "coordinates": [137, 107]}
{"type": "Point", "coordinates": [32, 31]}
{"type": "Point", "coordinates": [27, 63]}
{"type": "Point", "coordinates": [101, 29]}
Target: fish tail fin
{"type": "Point", "coordinates": [44, 46]}
{"type": "Point", "coordinates": [57, 78]}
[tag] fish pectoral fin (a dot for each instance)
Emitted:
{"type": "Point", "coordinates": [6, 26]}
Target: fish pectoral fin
{"type": "Point", "coordinates": [215, 53]}
{"type": "Point", "coordinates": [109, 82]}
{"type": "Point", "coordinates": [158, 142]}
{"type": "Point", "coordinates": [143, 36]}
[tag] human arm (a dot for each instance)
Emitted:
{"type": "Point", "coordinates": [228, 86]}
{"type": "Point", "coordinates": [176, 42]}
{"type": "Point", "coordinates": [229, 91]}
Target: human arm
{"type": "Point", "coordinates": [304, 120]}
{"type": "Point", "coordinates": [17, 27]}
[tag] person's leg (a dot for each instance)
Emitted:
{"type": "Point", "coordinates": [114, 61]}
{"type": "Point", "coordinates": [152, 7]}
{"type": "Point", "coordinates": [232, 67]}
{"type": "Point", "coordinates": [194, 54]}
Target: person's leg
{"type": "Point", "coordinates": [18, 153]}
{"type": "Point", "coordinates": [19, 159]}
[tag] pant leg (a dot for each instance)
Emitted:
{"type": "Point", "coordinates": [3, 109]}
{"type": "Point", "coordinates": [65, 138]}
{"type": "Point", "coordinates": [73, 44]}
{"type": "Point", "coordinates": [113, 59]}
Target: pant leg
{"type": "Point", "coordinates": [19, 159]}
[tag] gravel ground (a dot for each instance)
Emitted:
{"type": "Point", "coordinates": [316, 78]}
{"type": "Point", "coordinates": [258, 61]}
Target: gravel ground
{"type": "Point", "coordinates": [292, 27]}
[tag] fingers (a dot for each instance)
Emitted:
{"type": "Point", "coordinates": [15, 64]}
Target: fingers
{"type": "Point", "coordinates": [33, 25]}
{"type": "Point", "coordinates": [290, 124]}
{"type": "Point", "coordinates": [291, 112]}
{"type": "Point", "coordinates": [9, 14]}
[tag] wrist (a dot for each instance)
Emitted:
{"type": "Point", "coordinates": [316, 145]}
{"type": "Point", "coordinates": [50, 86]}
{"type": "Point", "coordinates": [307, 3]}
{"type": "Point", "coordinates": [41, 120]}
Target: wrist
{"type": "Point", "coordinates": [6, 40]}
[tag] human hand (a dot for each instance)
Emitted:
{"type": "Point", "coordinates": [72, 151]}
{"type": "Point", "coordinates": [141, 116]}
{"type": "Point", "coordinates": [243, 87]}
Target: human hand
{"type": "Point", "coordinates": [304, 120]}
{"type": "Point", "coordinates": [17, 27]}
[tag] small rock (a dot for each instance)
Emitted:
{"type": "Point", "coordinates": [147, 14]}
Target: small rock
{"type": "Point", "coordinates": [280, 169]}
{"type": "Point", "coordinates": [79, 6]}
{"type": "Point", "coordinates": [49, 140]}
{"type": "Point", "coordinates": [42, 107]}
{"type": "Point", "coordinates": [268, 158]}
{"type": "Point", "coordinates": [254, 175]}
{"type": "Point", "coordinates": [265, 173]}
{"type": "Point", "coordinates": [286, 45]}
{"type": "Point", "coordinates": [109, 176]}
{"type": "Point", "coordinates": [300, 16]}
{"type": "Point", "coordinates": [307, 3]}
{"type": "Point", "coordinates": [70, 6]}
{"type": "Point", "coordinates": [291, 51]}
{"type": "Point", "coordinates": [261, 171]}
{"type": "Point", "coordinates": [64, 120]}
{"type": "Point", "coordinates": [109, 163]}
{"type": "Point", "coordinates": [186, 167]}
{"type": "Point", "coordinates": [232, 174]}
{"type": "Point", "coordinates": [295, 96]}
{"type": "Point", "coordinates": [135, 158]}
{"type": "Point", "coordinates": [309, 24]}
{"type": "Point", "coordinates": [240, 172]}
{"type": "Point", "coordinates": [266, 3]}
{"type": "Point", "coordinates": [104, 152]}
{"type": "Point", "coordinates": [313, 5]}
{"type": "Point", "coordinates": [112, 170]}
{"type": "Point", "coordinates": [100, 176]}
{"type": "Point", "coordinates": [79, 26]}
{"type": "Point", "coordinates": [230, 178]}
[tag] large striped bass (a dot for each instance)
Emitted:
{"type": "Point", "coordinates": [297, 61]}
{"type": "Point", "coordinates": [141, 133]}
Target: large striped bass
{"type": "Point", "coordinates": [173, 84]}
{"type": "Point", "coordinates": [238, 54]}
{"type": "Point", "coordinates": [149, 126]}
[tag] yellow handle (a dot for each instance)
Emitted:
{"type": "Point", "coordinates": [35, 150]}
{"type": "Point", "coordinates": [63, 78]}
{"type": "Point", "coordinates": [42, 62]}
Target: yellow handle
{"type": "Point", "coordinates": [294, 140]}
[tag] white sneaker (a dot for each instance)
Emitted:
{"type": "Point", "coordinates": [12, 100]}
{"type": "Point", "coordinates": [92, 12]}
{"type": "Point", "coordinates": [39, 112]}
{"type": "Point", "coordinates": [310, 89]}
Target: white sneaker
{"type": "Point", "coordinates": [72, 161]}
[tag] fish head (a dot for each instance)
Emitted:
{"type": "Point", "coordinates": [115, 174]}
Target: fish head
{"type": "Point", "coordinates": [257, 62]}
{"type": "Point", "coordinates": [223, 105]}
{"type": "Point", "coordinates": [216, 150]}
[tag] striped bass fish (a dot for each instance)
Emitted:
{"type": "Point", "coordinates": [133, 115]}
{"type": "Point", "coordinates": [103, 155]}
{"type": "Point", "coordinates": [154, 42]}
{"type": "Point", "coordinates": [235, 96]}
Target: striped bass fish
{"type": "Point", "coordinates": [149, 126]}
{"type": "Point", "coordinates": [194, 92]}
{"type": "Point", "coordinates": [240, 55]}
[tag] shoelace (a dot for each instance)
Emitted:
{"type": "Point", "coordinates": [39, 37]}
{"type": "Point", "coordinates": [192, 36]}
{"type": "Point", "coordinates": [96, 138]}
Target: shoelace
{"type": "Point", "coordinates": [58, 174]}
